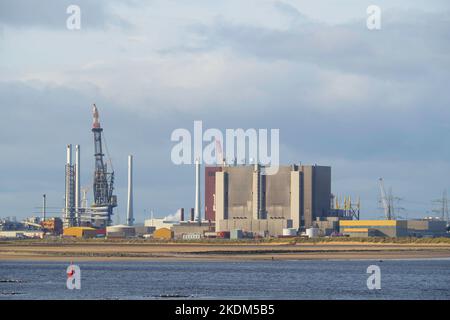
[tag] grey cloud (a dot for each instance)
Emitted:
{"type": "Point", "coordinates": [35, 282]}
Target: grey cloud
{"type": "Point", "coordinates": [291, 12]}
{"type": "Point", "coordinates": [408, 45]}
{"type": "Point", "coordinates": [52, 13]}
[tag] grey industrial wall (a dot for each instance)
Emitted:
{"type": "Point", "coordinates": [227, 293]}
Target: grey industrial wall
{"type": "Point", "coordinates": [239, 190]}
{"type": "Point", "coordinates": [278, 198]}
{"type": "Point", "coordinates": [316, 193]}
{"type": "Point", "coordinates": [273, 226]}
{"type": "Point", "coordinates": [306, 204]}
{"type": "Point", "coordinates": [322, 190]}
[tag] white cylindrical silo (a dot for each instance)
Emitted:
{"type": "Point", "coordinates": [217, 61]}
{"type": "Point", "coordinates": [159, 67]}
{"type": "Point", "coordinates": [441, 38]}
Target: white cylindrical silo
{"type": "Point", "coordinates": [312, 232]}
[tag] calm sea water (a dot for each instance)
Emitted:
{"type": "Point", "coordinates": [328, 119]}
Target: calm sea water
{"type": "Point", "coordinates": [400, 279]}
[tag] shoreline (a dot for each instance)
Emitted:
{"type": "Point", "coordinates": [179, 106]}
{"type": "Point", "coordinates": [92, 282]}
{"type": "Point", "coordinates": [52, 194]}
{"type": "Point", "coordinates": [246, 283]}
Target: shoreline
{"type": "Point", "coordinates": [122, 251]}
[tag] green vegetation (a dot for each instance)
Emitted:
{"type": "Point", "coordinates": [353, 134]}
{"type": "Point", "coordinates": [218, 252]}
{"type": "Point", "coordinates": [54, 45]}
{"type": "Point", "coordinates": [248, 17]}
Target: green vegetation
{"type": "Point", "coordinates": [287, 241]}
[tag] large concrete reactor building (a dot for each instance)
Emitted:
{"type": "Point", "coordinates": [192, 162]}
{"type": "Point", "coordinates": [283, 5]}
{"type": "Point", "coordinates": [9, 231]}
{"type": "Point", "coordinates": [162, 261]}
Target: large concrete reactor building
{"type": "Point", "coordinates": [210, 191]}
{"type": "Point", "coordinates": [244, 198]}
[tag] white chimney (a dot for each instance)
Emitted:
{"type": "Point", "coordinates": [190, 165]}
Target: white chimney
{"type": "Point", "coordinates": [197, 192]}
{"type": "Point", "coordinates": [69, 154]}
{"type": "Point", "coordinates": [77, 183]}
{"type": "Point", "coordinates": [130, 219]}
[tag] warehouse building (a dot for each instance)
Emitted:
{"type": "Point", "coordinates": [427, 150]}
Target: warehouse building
{"type": "Point", "coordinates": [163, 234]}
{"type": "Point", "coordinates": [393, 228]}
{"type": "Point", "coordinates": [246, 199]}
{"type": "Point", "coordinates": [186, 228]}
{"type": "Point", "coordinates": [374, 228]}
{"type": "Point", "coordinates": [80, 232]}
{"type": "Point", "coordinates": [427, 228]}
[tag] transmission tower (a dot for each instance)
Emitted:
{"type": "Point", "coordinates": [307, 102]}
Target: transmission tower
{"type": "Point", "coordinates": [443, 207]}
{"type": "Point", "coordinates": [388, 202]}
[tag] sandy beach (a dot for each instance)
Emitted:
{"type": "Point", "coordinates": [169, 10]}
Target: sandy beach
{"type": "Point", "coordinates": [113, 251]}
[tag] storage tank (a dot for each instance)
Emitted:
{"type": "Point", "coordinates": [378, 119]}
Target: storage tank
{"type": "Point", "coordinates": [289, 232]}
{"type": "Point", "coordinates": [121, 231]}
{"type": "Point", "coordinates": [312, 232]}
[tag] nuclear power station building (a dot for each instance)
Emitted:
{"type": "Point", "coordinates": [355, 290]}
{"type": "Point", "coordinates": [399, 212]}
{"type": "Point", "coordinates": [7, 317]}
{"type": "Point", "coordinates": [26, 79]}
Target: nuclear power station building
{"type": "Point", "coordinates": [243, 197]}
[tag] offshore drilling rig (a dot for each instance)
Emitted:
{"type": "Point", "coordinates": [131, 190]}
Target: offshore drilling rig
{"type": "Point", "coordinates": [103, 187]}
{"type": "Point", "coordinates": [100, 213]}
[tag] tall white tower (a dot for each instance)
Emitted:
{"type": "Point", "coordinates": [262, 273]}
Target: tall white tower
{"type": "Point", "coordinates": [69, 208]}
{"type": "Point", "coordinates": [197, 192]}
{"type": "Point", "coordinates": [130, 219]}
{"type": "Point", "coordinates": [77, 185]}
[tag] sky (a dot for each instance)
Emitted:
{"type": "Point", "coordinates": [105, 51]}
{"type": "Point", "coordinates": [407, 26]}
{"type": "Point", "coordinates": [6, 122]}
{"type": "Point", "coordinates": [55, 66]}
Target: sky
{"type": "Point", "coordinates": [368, 103]}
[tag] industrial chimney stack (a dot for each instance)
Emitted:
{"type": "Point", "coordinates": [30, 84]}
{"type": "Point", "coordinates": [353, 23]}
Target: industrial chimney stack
{"type": "Point", "coordinates": [130, 219]}
{"type": "Point", "coordinates": [182, 214]}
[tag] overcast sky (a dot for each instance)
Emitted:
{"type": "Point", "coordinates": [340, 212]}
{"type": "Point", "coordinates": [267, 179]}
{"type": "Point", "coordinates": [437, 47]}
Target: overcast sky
{"type": "Point", "coordinates": [368, 103]}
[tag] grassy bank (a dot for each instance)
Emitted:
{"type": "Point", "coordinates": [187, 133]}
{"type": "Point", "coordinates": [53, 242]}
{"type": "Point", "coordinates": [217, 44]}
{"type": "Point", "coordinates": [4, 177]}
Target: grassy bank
{"type": "Point", "coordinates": [286, 241]}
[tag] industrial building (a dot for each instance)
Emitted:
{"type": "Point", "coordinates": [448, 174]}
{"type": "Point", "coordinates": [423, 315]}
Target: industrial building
{"type": "Point", "coordinates": [31, 227]}
{"type": "Point", "coordinates": [247, 199]}
{"type": "Point", "coordinates": [393, 228]}
{"type": "Point", "coordinates": [22, 234]}
{"type": "Point", "coordinates": [374, 228]}
{"type": "Point", "coordinates": [427, 228]}
{"type": "Point", "coordinates": [163, 234]}
{"type": "Point", "coordinates": [159, 223]}
{"type": "Point", "coordinates": [80, 232]}
{"type": "Point", "coordinates": [142, 231]}
{"type": "Point", "coordinates": [184, 229]}
{"type": "Point", "coordinates": [53, 226]}
{"type": "Point", "coordinates": [328, 225]}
